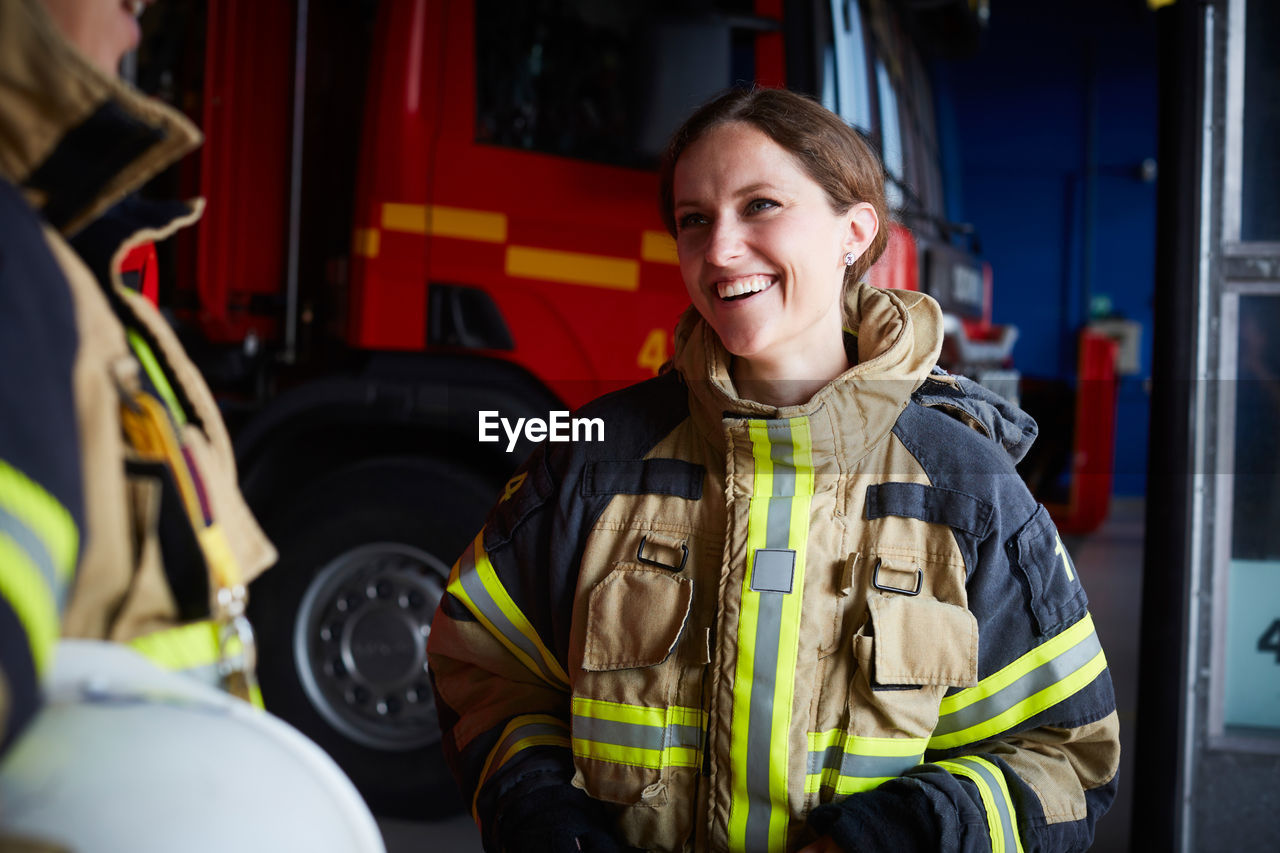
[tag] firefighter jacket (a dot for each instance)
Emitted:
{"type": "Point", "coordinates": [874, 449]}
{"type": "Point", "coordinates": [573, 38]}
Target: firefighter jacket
{"type": "Point", "coordinates": [737, 626]}
{"type": "Point", "coordinates": [120, 516]}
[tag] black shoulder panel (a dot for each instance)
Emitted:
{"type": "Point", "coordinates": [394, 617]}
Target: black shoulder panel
{"type": "Point", "coordinates": [38, 429]}
{"type": "Point", "coordinates": [981, 409]}
{"type": "Point", "coordinates": [930, 503]}
{"type": "Point", "coordinates": [38, 345]}
{"type": "Point", "coordinates": [959, 459]}
{"type": "Point", "coordinates": [1022, 588]}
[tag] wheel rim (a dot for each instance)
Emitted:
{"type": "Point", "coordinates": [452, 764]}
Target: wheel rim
{"type": "Point", "coordinates": [360, 644]}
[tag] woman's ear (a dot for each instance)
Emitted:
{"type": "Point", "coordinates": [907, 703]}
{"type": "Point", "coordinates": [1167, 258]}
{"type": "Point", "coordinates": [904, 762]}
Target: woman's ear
{"type": "Point", "coordinates": [863, 225]}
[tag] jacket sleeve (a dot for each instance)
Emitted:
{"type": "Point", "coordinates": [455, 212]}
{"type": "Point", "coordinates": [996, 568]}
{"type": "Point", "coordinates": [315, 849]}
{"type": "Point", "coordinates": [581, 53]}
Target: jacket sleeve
{"type": "Point", "coordinates": [1026, 759]}
{"type": "Point", "coordinates": [498, 665]}
{"type": "Point", "coordinates": [40, 487]}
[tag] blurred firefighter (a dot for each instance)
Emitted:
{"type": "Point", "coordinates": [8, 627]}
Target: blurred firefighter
{"type": "Point", "coordinates": [120, 516]}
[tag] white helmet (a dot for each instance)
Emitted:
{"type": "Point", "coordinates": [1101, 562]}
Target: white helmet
{"type": "Point", "coordinates": [128, 757]}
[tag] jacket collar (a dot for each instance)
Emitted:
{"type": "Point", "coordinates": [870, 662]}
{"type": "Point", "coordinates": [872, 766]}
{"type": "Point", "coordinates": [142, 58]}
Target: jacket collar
{"type": "Point", "coordinates": [899, 337]}
{"type": "Point", "coordinates": [74, 139]}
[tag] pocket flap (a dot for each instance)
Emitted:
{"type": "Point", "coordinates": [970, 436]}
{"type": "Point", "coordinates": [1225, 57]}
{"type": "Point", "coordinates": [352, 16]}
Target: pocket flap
{"type": "Point", "coordinates": [923, 641]}
{"type": "Point", "coordinates": [634, 617]}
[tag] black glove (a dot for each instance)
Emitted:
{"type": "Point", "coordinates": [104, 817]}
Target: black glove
{"type": "Point", "coordinates": [557, 819]}
{"type": "Point", "coordinates": [892, 817]}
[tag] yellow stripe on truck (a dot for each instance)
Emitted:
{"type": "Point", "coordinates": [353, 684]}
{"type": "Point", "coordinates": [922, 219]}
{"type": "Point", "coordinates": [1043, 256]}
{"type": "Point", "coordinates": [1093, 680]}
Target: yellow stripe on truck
{"type": "Point", "coordinates": [573, 268]}
{"type": "Point", "coordinates": [443, 221]}
{"type": "Point", "coordinates": [658, 247]}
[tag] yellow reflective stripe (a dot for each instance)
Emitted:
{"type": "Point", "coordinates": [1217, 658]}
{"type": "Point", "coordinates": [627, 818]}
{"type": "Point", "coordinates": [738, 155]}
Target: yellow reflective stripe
{"type": "Point", "coordinates": [994, 792]}
{"type": "Point", "coordinates": [193, 647]}
{"type": "Point", "coordinates": [480, 590]}
{"type": "Point", "coordinates": [24, 587]}
{"type": "Point", "coordinates": [850, 764]}
{"type": "Point", "coordinates": [757, 527]}
{"type": "Point", "coordinates": [573, 268]}
{"type": "Point", "coordinates": [636, 756]}
{"type": "Point", "coordinates": [161, 382]}
{"type": "Point", "coordinates": [994, 827]}
{"type": "Point", "coordinates": [637, 735]}
{"type": "Point", "coordinates": [31, 506]}
{"type": "Point", "coordinates": [642, 715]}
{"type": "Point", "coordinates": [38, 545]}
{"type": "Point", "coordinates": [884, 747]}
{"type": "Point", "coordinates": [1003, 678]}
{"type": "Point", "coordinates": [768, 637]}
{"type": "Point", "coordinates": [521, 733]}
{"type": "Point", "coordinates": [789, 647]}
{"type": "Point", "coordinates": [1035, 682]}
{"type": "Point", "coordinates": [842, 785]}
{"type": "Point", "coordinates": [184, 647]}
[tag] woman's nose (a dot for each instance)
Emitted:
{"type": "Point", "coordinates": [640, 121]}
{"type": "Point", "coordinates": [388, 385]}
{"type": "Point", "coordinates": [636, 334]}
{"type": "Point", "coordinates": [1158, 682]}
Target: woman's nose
{"type": "Point", "coordinates": [724, 242]}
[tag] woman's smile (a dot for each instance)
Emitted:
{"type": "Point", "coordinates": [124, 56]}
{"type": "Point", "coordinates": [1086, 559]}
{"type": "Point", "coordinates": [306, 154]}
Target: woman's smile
{"type": "Point", "coordinates": [743, 287]}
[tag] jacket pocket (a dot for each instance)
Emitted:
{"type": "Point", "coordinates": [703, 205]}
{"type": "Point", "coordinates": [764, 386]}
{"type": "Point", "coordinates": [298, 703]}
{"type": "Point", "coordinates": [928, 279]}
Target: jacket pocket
{"type": "Point", "coordinates": [909, 652]}
{"type": "Point", "coordinates": [1037, 554]}
{"type": "Point", "coordinates": [635, 616]}
{"type": "Point", "coordinates": [627, 736]}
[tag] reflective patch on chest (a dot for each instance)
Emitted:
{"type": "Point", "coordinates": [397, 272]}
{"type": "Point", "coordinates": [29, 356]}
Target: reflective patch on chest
{"type": "Point", "coordinates": [773, 570]}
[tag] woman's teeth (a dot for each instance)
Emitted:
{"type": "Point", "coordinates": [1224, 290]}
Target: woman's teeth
{"type": "Point", "coordinates": [743, 286]}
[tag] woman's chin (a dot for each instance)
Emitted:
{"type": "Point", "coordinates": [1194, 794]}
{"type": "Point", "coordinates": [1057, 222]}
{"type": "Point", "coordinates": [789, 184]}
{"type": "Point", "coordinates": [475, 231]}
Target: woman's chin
{"type": "Point", "coordinates": [747, 347]}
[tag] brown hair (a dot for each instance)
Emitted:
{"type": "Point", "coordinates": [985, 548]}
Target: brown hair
{"type": "Point", "coordinates": [832, 153]}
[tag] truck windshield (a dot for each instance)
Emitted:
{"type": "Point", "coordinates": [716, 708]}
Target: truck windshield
{"type": "Point", "coordinates": [606, 82]}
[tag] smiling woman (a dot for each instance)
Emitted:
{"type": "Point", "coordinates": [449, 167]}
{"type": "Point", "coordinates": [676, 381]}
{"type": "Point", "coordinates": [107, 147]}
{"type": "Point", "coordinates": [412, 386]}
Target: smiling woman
{"type": "Point", "coordinates": [792, 601]}
{"type": "Point", "coordinates": [776, 207]}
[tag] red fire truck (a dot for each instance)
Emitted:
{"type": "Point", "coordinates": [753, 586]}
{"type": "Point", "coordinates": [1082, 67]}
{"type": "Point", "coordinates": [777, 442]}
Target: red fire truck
{"type": "Point", "coordinates": [420, 210]}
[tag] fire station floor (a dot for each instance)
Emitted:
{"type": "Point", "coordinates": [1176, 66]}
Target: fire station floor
{"type": "Point", "coordinates": [1110, 565]}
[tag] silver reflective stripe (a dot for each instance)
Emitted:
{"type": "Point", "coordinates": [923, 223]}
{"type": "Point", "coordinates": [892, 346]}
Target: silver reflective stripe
{"type": "Point", "coordinates": [859, 766]}
{"type": "Point", "coordinates": [631, 735]}
{"type": "Point", "coordinates": [635, 735]}
{"type": "Point", "coordinates": [1044, 676]}
{"type": "Point", "coordinates": [1003, 806]}
{"type": "Point", "coordinates": [765, 651]}
{"type": "Point", "coordinates": [518, 734]}
{"type": "Point", "coordinates": [478, 596]}
{"type": "Point", "coordinates": [1005, 836]}
{"type": "Point", "coordinates": [37, 549]}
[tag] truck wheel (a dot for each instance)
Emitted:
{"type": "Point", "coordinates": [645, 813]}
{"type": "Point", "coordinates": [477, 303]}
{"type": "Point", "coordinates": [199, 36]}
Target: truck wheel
{"type": "Point", "coordinates": [343, 621]}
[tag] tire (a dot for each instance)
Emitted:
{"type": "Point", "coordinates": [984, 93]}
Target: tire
{"type": "Point", "coordinates": [343, 618]}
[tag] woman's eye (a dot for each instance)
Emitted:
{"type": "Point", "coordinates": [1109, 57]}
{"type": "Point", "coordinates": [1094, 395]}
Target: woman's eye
{"type": "Point", "coordinates": [760, 204]}
{"type": "Point", "coordinates": [691, 219]}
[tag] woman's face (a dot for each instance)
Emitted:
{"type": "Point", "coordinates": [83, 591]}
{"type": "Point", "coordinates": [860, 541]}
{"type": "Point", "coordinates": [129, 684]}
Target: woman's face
{"type": "Point", "coordinates": [103, 30]}
{"type": "Point", "coordinates": [761, 251]}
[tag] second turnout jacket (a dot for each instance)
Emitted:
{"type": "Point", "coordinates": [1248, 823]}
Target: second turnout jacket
{"type": "Point", "coordinates": [118, 495]}
{"type": "Point", "coordinates": [737, 627]}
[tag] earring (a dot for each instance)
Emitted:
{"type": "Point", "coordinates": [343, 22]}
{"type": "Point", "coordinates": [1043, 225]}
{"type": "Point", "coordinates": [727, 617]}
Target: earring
{"type": "Point", "coordinates": [848, 259]}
